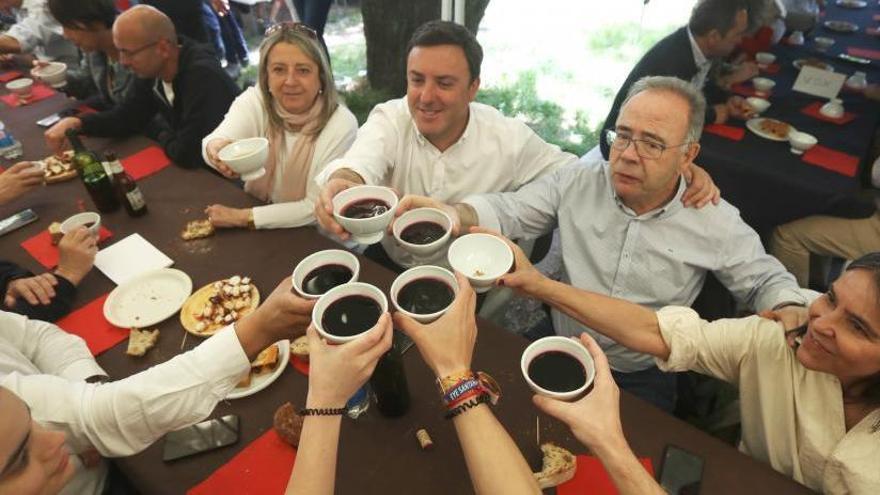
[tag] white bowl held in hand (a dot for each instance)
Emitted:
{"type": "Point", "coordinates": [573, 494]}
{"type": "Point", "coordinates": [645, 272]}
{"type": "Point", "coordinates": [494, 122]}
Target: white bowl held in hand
{"type": "Point", "coordinates": [324, 258]}
{"type": "Point", "coordinates": [759, 105]}
{"type": "Point", "coordinates": [763, 85]}
{"type": "Point", "coordinates": [21, 87]}
{"type": "Point", "coordinates": [801, 141]}
{"type": "Point", "coordinates": [423, 215]}
{"type": "Point", "coordinates": [368, 230]}
{"type": "Point", "coordinates": [558, 344]}
{"type": "Point", "coordinates": [482, 258]}
{"type": "Point", "coordinates": [54, 74]}
{"type": "Point", "coordinates": [87, 218]}
{"type": "Point", "coordinates": [764, 59]}
{"type": "Point", "coordinates": [247, 157]}
{"type": "Point", "coordinates": [337, 293]}
{"type": "Point", "coordinates": [417, 273]}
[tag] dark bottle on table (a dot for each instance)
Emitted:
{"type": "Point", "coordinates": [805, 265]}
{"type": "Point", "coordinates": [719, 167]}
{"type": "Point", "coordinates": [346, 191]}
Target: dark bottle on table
{"type": "Point", "coordinates": [92, 173]}
{"type": "Point", "coordinates": [389, 383]}
{"type": "Point", "coordinates": [127, 190]}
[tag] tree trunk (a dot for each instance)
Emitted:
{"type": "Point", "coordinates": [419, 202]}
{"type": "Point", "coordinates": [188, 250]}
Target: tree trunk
{"type": "Point", "coordinates": [388, 26]}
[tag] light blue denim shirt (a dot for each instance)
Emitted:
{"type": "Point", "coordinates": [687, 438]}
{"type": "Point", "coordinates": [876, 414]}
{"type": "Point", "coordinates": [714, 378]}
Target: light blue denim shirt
{"type": "Point", "coordinates": [656, 259]}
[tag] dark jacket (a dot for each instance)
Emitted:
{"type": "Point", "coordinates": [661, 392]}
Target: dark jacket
{"type": "Point", "coordinates": [671, 56]}
{"type": "Point", "coordinates": [59, 305]}
{"type": "Point", "coordinates": [203, 92]}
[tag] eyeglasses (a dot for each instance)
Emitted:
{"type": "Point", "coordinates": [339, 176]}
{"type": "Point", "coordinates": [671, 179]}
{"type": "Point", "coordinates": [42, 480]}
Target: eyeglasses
{"type": "Point", "coordinates": [296, 27]}
{"type": "Point", "coordinates": [131, 53]}
{"type": "Point", "coordinates": [651, 150]}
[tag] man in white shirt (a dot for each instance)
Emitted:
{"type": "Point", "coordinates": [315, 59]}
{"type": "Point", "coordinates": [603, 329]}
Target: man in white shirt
{"type": "Point", "coordinates": [438, 142]}
{"type": "Point", "coordinates": [36, 32]}
{"type": "Point", "coordinates": [120, 418]}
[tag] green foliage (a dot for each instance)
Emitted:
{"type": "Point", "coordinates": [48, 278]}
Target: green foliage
{"type": "Point", "coordinates": [348, 60]}
{"type": "Point", "coordinates": [361, 101]}
{"type": "Point", "coordinates": [623, 40]}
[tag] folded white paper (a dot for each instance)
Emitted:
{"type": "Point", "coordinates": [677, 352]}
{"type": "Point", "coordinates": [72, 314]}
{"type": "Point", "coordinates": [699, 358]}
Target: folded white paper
{"type": "Point", "coordinates": [130, 257]}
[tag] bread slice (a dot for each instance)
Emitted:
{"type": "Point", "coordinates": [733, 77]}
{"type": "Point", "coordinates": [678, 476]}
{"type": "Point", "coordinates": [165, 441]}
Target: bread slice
{"type": "Point", "coordinates": [268, 357]}
{"type": "Point", "coordinates": [197, 229]}
{"type": "Point", "coordinates": [300, 348]}
{"type": "Point", "coordinates": [55, 232]}
{"type": "Point", "coordinates": [558, 466]}
{"type": "Point", "coordinates": [141, 341]}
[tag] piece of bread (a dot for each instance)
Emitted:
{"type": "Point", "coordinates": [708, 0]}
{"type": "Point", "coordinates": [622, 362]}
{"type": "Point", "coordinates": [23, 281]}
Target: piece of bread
{"type": "Point", "coordinates": [558, 466]}
{"type": "Point", "coordinates": [58, 168]}
{"type": "Point", "coordinates": [300, 348]}
{"type": "Point", "coordinates": [245, 380]}
{"type": "Point", "coordinates": [288, 424]}
{"type": "Point", "coordinates": [197, 229]}
{"type": "Point", "coordinates": [141, 341]}
{"type": "Point", "coordinates": [268, 357]}
{"type": "Point", "coordinates": [55, 232]}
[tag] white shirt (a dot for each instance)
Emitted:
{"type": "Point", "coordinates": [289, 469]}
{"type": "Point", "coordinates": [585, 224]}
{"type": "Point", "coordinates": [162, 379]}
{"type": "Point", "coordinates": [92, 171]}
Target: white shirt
{"type": "Point", "coordinates": [655, 259]}
{"type": "Point", "coordinates": [792, 417]}
{"type": "Point", "coordinates": [703, 64]}
{"type": "Point", "coordinates": [39, 33]}
{"type": "Point", "coordinates": [124, 417]}
{"type": "Point", "coordinates": [246, 118]}
{"type": "Point", "coordinates": [168, 88]}
{"type": "Point", "coordinates": [495, 153]}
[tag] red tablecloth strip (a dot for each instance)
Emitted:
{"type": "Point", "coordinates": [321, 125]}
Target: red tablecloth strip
{"type": "Point", "coordinates": [41, 248]}
{"type": "Point", "coordinates": [299, 365]}
{"type": "Point", "coordinates": [89, 323]}
{"type": "Point", "coordinates": [744, 89]}
{"type": "Point", "coordinates": [38, 92]}
{"type": "Point", "coordinates": [146, 162]}
{"type": "Point", "coordinates": [591, 478]}
{"type": "Point", "coordinates": [261, 468]}
{"type": "Point", "coordinates": [770, 69]}
{"type": "Point", "coordinates": [833, 160]}
{"type": "Point", "coordinates": [10, 75]}
{"type": "Point", "coordinates": [872, 31]}
{"type": "Point", "coordinates": [863, 52]}
{"type": "Point", "coordinates": [726, 131]}
{"type": "Point", "coordinates": [813, 111]}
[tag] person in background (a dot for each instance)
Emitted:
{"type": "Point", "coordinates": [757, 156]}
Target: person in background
{"type": "Point", "coordinates": [186, 16]}
{"type": "Point", "coordinates": [179, 80]}
{"type": "Point", "coordinates": [36, 34]}
{"type": "Point", "coordinates": [313, 13]}
{"type": "Point", "coordinates": [296, 107]}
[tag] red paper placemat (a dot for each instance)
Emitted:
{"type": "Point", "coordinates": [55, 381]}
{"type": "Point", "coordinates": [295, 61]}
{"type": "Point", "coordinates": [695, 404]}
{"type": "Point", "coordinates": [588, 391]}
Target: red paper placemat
{"type": "Point", "coordinates": [744, 89]}
{"type": "Point", "coordinates": [864, 52]}
{"type": "Point", "coordinates": [38, 92]}
{"type": "Point", "coordinates": [10, 75]}
{"type": "Point", "coordinates": [89, 323]}
{"type": "Point", "coordinates": [41, 248]}
{"type": "Point", "coordinates": [591, 478]}
{"type": "Point", "coordinates": [770, 69]}
{"type": "Point", "coordinates": [833, 160]}
{"type": "Point", "coordinates": [146, 162]}
{"type": "Point", "coordinates": [726, 131]}
{"type": "Point", "coordinates": [299, 365]}
{"type": "Point", "coordinates": [813, 111]}
{"type": "Point", "coordinates": [261, 468]}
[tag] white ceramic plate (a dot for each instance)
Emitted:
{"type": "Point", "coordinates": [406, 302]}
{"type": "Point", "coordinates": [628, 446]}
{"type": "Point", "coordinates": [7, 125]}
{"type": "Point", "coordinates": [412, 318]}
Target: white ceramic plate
{"type": "Point", "coordinates": [841, 26]}
{"type": "Point", "coordinates": [259, 382]}
{"type": "Point", "coordinates": [148, 298]}
{"type": "Point", "coordinates": [800, 63]}
{"type": "Point", "coordinates": [754, 125]}
{"type": "Point", "coordinates": [852, 4]}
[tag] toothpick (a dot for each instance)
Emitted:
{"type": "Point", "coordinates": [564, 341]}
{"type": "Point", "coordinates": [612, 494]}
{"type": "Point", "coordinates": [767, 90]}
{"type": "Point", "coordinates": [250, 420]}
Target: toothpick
{"type": "Point", "coordinates": [538, 430]}
{"type": "Point", "coordinates": [183, 342]}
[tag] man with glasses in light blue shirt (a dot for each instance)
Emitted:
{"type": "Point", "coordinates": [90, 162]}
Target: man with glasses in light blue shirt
{"type": "Point", "coordinates": [625, 233]}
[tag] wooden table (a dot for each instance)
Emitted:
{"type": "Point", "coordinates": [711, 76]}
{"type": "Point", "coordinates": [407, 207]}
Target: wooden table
{"type": "Point", "coordinates": [377, 455]}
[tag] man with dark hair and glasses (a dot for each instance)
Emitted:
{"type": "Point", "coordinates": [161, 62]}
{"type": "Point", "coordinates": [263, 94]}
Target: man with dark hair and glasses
{"type": "Point", "coordinates": [625, 233]}
{"type": "Point", "coordinates": [179, 80]}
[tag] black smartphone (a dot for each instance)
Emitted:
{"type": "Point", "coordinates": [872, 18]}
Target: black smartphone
{"type": "Point", "coordinates": [17, 221]}
{"type": "Point", "coordinates": [49, 121]}
{"type": "Point", "coordinates": [681, 472]}
{"type": "Point", "coordinates": [201, 437]}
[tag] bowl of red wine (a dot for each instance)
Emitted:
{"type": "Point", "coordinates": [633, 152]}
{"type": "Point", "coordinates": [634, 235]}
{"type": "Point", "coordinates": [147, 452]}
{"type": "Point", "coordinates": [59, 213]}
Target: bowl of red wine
{"type": "Point", "coordinates": [87, 219]}
{"type": "Point", "coordinates": [424, 293]}
{"type": "Point", "coordinates": [365, 212]}
{"type": "Point", "coordinates": [482, 258]}
{"type": "Point", "coordinates": [422, 231]}
{"type": "Point", "coordinates": [324, 270]}
{"type": "Point", "coordinates": [346, 311]}
{"type": "Point", "coordinates": [558, 367]}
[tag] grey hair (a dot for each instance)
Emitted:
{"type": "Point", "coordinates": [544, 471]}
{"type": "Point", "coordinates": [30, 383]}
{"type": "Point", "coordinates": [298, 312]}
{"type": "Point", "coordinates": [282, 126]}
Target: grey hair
{"type": "Point", "coordinates": [694, 97]}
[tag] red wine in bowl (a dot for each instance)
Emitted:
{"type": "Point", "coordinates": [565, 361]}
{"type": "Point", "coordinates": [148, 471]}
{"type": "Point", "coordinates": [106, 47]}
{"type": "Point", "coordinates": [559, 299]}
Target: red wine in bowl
{"type": "Point", "coordinates": [557, 371]}
{"type": "Point", "coordinates": [365, 208]}
{"type": "Point", "coordinates": [422, 232]}
{"type": "Point", "coordinates": [424, 296]}
{"type": "Point", "coordinates": [351, 315]}
{"type": "Point", "coordinates": [323, 278]}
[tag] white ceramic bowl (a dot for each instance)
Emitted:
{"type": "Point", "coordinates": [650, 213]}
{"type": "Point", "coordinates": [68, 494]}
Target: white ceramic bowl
{"type": "Point", "coordinates": [559, 344]}
{"type": "Point", "coordinates": [365, 230]}
{"type": "Point", "coordinates": [322, 258]}
{"type": "Point", "coordinates": [759, 105]}
{"type": "Point", "coordinates": [763, 85]}
{"type": "Point", "coordinates": [83, 218]}
{"type": "Point", "coordinates": [337, 293]}
{"type": "Point", "coordinates": [423, 215]}
{"type": "Point", "coordinates": [823, 43]}
{"type": "Point", "coordinates": [53, 74]}
{"type": "Point", "coordinates": [21, 87]}
{"type": "Point", "coordinates": [246, 156]}
{"type": "Point", "coordinates": [801, 141]}
{"type": "Point", "coordinates": [419, 272]}
{"type": "Point", "coordinates": [482, 258]}
{"type": "Point", "coordinates": [764, 59]}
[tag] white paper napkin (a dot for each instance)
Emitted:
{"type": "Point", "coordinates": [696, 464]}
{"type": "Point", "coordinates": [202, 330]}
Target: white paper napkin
{"type": "Point", "coordinates": [130, 257]}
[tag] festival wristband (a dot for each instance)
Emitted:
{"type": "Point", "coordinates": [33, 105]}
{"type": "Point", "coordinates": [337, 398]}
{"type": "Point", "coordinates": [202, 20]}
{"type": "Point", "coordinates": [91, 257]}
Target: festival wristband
{"type": "Point", "coordinates": [472, 393]}
{"type": "Point", "coordinates": [460, 389]}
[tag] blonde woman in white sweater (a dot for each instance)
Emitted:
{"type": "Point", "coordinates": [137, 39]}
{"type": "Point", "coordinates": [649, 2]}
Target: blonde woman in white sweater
{"type": "Point", "coordinates": [296, 107]}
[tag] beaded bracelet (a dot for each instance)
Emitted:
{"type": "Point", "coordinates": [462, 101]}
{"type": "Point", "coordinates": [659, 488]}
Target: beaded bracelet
{"type": "Point", "coordinates": [323, 411]}
{"type": "Point", "coordinates": [482, 399]}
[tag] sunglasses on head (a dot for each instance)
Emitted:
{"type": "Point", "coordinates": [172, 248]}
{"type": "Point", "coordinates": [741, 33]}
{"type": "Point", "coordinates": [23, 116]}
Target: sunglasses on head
{"type": "Point", "coordinates": [296, 27]}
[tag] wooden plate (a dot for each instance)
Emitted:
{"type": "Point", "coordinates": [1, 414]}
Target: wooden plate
{"type": "Point", "coordinates": [196, 302]}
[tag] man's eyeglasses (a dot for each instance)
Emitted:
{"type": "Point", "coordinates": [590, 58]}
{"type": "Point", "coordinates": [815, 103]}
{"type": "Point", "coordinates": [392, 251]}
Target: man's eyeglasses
{"type": "Point", "coordinates": [651, 150]}
{"type": "Point", "coordinates": [296, 27]}
{"type": "Point", "coordinates": [131, 53]}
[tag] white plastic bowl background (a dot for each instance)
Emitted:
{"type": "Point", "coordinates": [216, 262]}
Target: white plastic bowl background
{"type": "Point", "coordinates": [562, 344]}
{"type": "Point", "coordinates": [337, 293]}
{"type": "Point", "coordinates": [418, 272]}
{"type": "Point", "coordinates": [74, 221]}
{"type": "Point", "coordinates": [365, 230]}
{"type": "Point", "coordinates": [484, 252]}
{"type": "Point", "coordinates": [246, 156]}
{"type": "Point", "coordinates": [321, 258]}
{"type": "Point", "coordinates": [423, 215]}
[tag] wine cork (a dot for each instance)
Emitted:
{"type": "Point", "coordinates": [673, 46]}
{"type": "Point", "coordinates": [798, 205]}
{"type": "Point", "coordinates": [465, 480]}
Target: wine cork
{"type": "Point", "coordinates": [424, 439]}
